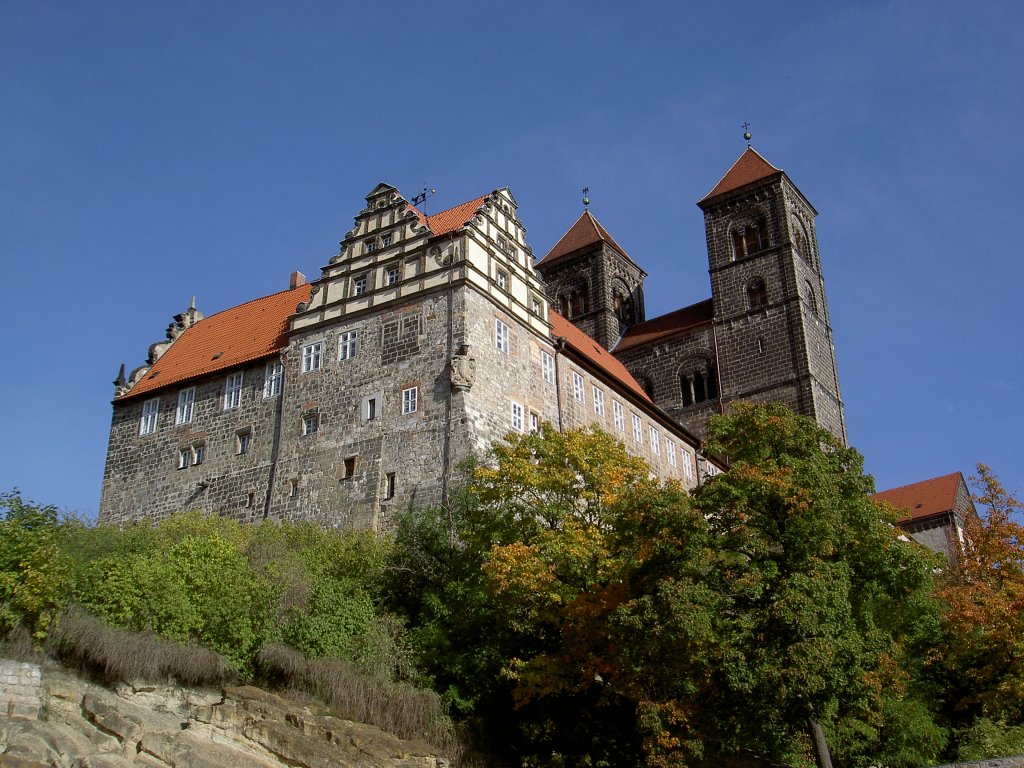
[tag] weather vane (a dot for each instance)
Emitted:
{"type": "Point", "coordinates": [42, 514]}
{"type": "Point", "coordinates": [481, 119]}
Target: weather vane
{"type": "Point", "coordinates": [586, 200]}
{"type": "Point", "coordinates": [422, 197]}
{"type": "Point", "coordinates": [746, 132]}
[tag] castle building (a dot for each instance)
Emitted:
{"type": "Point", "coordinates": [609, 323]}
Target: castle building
{"type": "Point", "coordinates": [934, 512]}
{"type": "Point", "coordinates": [427, 338]}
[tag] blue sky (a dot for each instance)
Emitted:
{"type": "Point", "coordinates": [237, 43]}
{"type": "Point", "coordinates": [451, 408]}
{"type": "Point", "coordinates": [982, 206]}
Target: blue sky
{"type": "Point", "coordinates": [152, 151]}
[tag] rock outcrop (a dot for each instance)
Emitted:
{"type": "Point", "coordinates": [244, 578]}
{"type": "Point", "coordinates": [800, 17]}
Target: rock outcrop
{"type": "Point", "coordinates": [82, 725]}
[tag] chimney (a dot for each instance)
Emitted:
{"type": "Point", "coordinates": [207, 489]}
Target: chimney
{"type": "Point", "coordinates": [296, 280]}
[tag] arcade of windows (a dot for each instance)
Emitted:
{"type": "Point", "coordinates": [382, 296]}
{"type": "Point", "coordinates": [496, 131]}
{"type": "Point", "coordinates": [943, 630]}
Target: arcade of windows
{"type": "Point", "coordinates": [699, 385]}
{"type": "Point", "coordinates": [749, 238]}
{"type": "Point", "coordinates": [572, 304]}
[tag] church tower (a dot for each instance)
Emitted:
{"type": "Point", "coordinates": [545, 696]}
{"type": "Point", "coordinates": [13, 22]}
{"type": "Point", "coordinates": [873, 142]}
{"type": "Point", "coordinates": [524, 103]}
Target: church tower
{"type": "Point", "coordinates": [593, 282]}
{"type": "Point", "coordinates": [771, 321]}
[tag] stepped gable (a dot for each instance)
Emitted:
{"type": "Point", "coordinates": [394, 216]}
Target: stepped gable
{"type": "Point", "coordinates": [749, 168]}
{"type": "Point", "coordinates": [586, 231]}
{"type": "Point", "coordinates": [248, 332]}
{"type": "Point", "coordinates": [452, 219]}
{"type": "Point", "coordinates": [924, 499]}
{"type": "Point", "coordinates": [666, 325]}
{"type": "Point", "coordinates": [594, 353]}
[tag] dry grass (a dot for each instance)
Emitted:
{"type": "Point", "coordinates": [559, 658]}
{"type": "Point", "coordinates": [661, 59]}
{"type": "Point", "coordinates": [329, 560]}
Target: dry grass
{"type": "Point", "coordinates": [399, 708]}
{"type": "Point", "coordinates": [18, 646]}
{"type": "Point", "coordinates": [111, 655]}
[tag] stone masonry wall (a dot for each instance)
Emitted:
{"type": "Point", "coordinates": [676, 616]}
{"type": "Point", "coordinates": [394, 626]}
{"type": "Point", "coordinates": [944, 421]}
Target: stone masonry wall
{"type": "Point", "coordinates": [20, 689]}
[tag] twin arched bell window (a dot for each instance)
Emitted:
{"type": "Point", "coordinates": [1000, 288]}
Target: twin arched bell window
{"type": "Point", "coordinates": [572, 304]}
{"type": "Point", "coordinates": [749, 237]}
{"type": "Point", "coordinates": [699, 383]}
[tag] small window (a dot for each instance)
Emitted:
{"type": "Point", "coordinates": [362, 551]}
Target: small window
{"type": "Point", "coordinates": [655, 441]}
{"type": "Point", "coordinates": [389, 485]}
{"type": "Point", "coordinates": [385, 241]}
{"type": "Point", "coordinates": [250, 499]}
{"type": "Point", "coordinates": [617, 415]}
{"type": "Point", "coordinates": [410, 400]}
{"type": "Point", "coordinates": [577, 387]}
{"type": "Point", "coordinates": [757, 294]}
{"type": "Point", "coordinates": [150, 411]}
{"type": "Point", "coordinates": [534, 421]}
{"type": "Point", "coordinates": [312, 357]}
{"type": "Point", "coordinates": [272, 379]}
{"type": "Point", "coordinates": [812, 299]}
{"type": "Point", "coordinates": [370, 411]}
{"type": "Point", "coordinates": [242, 441]}
{"type": "Point", "coordinates": [391, 276]}
{"type": "Point", "coordinates": [347, 344]}
{"type": "Point", "coordinates": [359, 286]}
{"type": "Point", "coordinates": [369, 246]}
{"type": "Point", "coordinates": [547, 367]}
{"type": "Point", "coordinates": [349, 468]}
{"type": "Point", "coordinates": [501, 336]}
{"type": "Point", "coordinates": [293, 488]}
{"type": "Point", "coordinates": [517, 416]}
{"type": "Point", "coordinates": [310, 423]}
{"type": "Point", "coordinates": [535, 305]}
{"type": "Point", "coordinates": [233, 391]}
{"type": "Point", "coordinates": [670, 449]}
{"type": "Point", "coordinates": [198, 454]}
{"type": "Point", "coordinates": [687, 464]}
{"type": "Point", "coordinates": [502, 279]}
{"type": "Point", "coordinates": [186, 402]}
{"type": "Point", "coordinates": [638, 430]}
{"type": "Point", "coordinates": [184, 457]}
{"type": "Point", "coordinates": [598, 401]}
{"type": "Point", "coordinates": [761, 345]}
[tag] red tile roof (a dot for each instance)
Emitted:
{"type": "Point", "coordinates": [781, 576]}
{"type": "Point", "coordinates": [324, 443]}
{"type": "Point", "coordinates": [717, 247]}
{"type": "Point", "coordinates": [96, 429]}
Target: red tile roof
{"type": "Point", "coordinates": [749, 168]}
{"type": "Point", "coordinates": [594, 353]}
{"type": "Point", "coordinates": [452, 219]}
{"type": "Point", "coordinates": [586, 231]}
{"type": "Point", "coordinates": [225, 340]}
{"type": "Point", "coordinates": [924, 498]}
{"type": "Point", "coordinates": [666, 325]}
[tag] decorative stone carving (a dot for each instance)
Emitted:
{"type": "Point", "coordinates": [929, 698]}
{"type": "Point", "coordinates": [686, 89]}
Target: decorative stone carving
{"type": "Point", "coordinates": [463, 369]}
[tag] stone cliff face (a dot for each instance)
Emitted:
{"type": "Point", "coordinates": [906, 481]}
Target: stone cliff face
{"type": "Point", "coordinates": [81, 725]}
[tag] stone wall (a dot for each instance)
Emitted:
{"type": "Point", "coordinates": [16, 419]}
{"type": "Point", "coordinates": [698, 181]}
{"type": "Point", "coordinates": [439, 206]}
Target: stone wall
{"type": "Point", "coordinates": [20, 690]}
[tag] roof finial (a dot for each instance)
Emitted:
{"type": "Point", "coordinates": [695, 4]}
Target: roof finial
{"type": "Point", "coordinates": [586, 200]}
{"type": "Point", "coordinates": [746, 132]}
{"type": "Point", "coordinates": [192, 305]}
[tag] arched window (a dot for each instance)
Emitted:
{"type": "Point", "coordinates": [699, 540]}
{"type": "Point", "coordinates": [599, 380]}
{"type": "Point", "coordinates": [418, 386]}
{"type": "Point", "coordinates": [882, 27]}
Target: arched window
{"type": "Point", "coordinates": [699, 384]}
{"type": "Point", "coordinates": [757, 294]}
{"type": "Point", "coordinates": [749, 237]}
{"type": "Point", "coordinates": [812, 300]}
{"type": "Point", "coordinates": [623, 307]}
{"type": "Point", "coordinates": [647, 385]}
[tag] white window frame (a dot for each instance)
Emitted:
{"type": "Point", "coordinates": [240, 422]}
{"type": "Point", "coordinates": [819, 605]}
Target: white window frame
{"type": "Point", "coordinates": [310, 424]}
{"type": "Point", "coordinates": [186, 406]}
{"type": "Point", "coordinates": [312, 357]}
{"type": "Point", "coordinates": [577, 387]}
{"type": "Point", "coordinates": [198, 454]}
{"type": "Point", "coordinates": [501, 336]}
{"type": "Point", "coordinates": [518, 416]}
{"type": "Point", "coordinates": [670, 449]}
{"type": "Point", "coordinates": [385, 240]}
{"type": "Point", "coordinates": [598, 401]}
{"type": "Point", "coordinates": [150, 415]}
{"type": "Point", "coordinates": [243, 441]}
{"type": "Point", "coordinates": [501, 278]}
{"type": "Point", "coordinates": [638, 429]}
{"type": "Point", "coordinates": [655, 440]}
{"type": "Point", "coordinates": [687, 465]}
{"type": "Point", "coordinates": [233, 391]}
{"type": "Point", "coordinates": [391, 276]}
{"type": "Point", "coordinates": [273, 378]}
{"type": "Point", "coordinates": [359, 286]}
{"type": "Point", "coordinates": [619, 416]}
{"type": "Point", "coordinates": [184, 457]}
{"type": "Point", "coordinates": [410, 400]}
{"type": "Point", "coordinates": [547, 367]}
{"type": "Point", "coordinates": [348, 345]}
{"type": "Point", "coordinates": [534, 421]}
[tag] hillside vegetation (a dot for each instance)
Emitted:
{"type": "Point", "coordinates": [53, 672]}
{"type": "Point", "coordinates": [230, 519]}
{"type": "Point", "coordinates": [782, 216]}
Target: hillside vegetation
{"type": "Point", "coordinates": [568, 609]}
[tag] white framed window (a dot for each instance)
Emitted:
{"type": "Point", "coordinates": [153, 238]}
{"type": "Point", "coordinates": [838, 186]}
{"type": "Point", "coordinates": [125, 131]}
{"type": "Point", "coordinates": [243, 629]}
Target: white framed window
{"type": "Point", "coordinates": [272, 379]}
{"type": "Point", "coordinates": [233, 391]}
{"type": "Point", "coordinates": [198, 454]}
{"type": "Point", "coordinates": [517, 416]}
{"type": "Point", "coordinates": [370, 407]}
{"type": "Point", "coordinates": [310, 423]}
{"type": "Point", "coordinates": [369, 246]}
{"type": "Point", "coordinates": [242, 442]}
{"type": "Point", "coordinates": [186, 403]}
{"type": "Point", "coordinates": [359, 286]}
{"type": "Point", "coordinates": [410, 400]}
{"type": "Point", "coordinates": [638, 430]}
{"type": "Point", "coordinates": [312, 357]}
{"type": "Point", "coordinates": [184, 457]}
{"type": "Point", "coordinates": [670, 449]}
{"type": "Point", "coordinates": [391, 276]}
{"type": "Point", "coordinates": [501, 336]}
{"type": "Point", "coordinates": [598, 401]}
{"type": "Point", "coordinates": [347, 345]}
{"type": "Point", "coordinates": [534, 421]}
{"type": "Point", "coordinates": [620, 420]}
{"type": "Point", "coordinates": [385, 241]}
{"type": "Point", "coordinates": [535, 305]}
{"type": "Point", "coordinates": [687, 464]}
{"type": "Point", "coordinates": [150, 411]}
{"type": "Point", "coordinates": [547, 367]}
{"type": "Point", "coordinates": [502, 279]}
{"type": "Point", "coordinates": [655, 441]}
{"type": "Point", "coordinates": [577, 387]}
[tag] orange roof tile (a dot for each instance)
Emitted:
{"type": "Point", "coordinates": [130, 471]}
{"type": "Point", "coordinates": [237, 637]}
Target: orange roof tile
{"type": "Point", "coordinates": [452, 219]}
{"type": "Point", "coordinates": [749, 168]}
{"type": "Point", "coordinates": [586, 231]}
{"type": "Point", "coordinates": [594, 353]}
{"type": "Point", "coordinates": [924, 498]}
{"type": "Point", "coordinates": [666, 325]}
{"type": "Point", "coordinates": [225, 340]}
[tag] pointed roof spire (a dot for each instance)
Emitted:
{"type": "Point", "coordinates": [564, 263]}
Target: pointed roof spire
{"type": "Point", "coordinates": [586, 231]}
{"type": "Point", "coordinates": [749, 168]}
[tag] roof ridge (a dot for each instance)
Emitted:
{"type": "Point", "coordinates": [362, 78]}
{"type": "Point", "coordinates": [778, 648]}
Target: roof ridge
{"type": "Point", "coordinates": [251, 301]}
{"type": "Point", "coordinates": [721, 187]}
